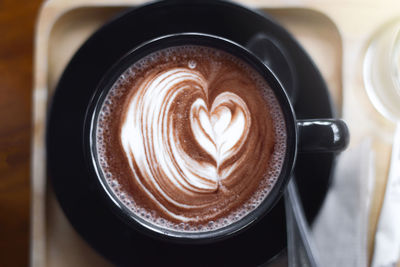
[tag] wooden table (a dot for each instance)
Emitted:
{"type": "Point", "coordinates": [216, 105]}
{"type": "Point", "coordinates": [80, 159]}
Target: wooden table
{"type": "Point", "coordinates": [17, 19]}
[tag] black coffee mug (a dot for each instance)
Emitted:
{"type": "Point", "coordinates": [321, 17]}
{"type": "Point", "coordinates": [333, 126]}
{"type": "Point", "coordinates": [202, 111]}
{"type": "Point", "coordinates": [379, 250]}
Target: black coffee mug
{"type": "Point", "coordinates": [317, 135]}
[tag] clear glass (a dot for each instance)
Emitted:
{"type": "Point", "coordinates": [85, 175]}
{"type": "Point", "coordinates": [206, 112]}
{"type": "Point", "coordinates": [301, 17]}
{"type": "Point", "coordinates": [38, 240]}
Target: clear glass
{"type": "Point", "coordinates": [382, 82]}
{"type": "Point", "coordinates": [381, 71]}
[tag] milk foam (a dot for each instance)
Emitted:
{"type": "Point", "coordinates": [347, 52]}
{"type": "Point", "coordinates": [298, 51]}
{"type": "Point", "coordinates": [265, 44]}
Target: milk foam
{"type": "Point", "coordinates": [151, 143]}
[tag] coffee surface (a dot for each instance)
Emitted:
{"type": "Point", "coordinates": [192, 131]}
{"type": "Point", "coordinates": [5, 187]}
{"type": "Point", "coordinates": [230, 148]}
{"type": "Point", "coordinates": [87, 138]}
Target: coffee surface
{"type": "Point", "coordinates": [191, 138]}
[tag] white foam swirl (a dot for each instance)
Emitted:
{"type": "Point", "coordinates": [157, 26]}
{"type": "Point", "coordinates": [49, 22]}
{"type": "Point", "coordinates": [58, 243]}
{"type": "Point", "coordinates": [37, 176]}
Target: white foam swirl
{"type": "Point", "coordinates": [156, 151]}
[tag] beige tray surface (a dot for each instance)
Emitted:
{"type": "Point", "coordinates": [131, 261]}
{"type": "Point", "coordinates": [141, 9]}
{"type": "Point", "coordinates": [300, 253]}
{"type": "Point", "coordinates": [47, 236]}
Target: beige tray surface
{"type": "Point", "coordinates": [335, 33]}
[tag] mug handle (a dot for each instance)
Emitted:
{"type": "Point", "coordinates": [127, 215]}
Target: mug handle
{"type": "Point", "coordinates": [322, 135]}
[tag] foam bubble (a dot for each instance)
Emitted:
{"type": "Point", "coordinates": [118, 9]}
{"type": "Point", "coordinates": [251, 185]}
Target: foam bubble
{"type": "Point", "coordinates": [192, 64]}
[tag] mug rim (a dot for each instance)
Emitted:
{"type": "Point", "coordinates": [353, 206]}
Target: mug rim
{"type": "Point", "coordinates": [90, 145]}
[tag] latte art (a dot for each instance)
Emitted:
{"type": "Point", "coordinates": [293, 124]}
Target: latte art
{"type": "Point", "coordinates": [191, 138]}
{"type": "Point", "coordinates": [222, 130]}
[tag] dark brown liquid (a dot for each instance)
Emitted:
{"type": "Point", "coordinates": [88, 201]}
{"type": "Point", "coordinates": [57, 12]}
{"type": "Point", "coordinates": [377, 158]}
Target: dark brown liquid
{"type": "Point", "coordinates": [191, 138]}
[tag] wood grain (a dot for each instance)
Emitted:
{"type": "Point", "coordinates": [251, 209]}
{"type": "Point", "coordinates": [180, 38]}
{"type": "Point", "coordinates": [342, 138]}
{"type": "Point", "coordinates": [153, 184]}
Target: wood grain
{"type": "Point", "coordinates": [17, 20]}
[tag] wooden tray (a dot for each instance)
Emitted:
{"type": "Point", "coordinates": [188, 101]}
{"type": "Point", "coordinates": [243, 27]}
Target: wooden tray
{"type": "Point", "coordinates": [335, 34]}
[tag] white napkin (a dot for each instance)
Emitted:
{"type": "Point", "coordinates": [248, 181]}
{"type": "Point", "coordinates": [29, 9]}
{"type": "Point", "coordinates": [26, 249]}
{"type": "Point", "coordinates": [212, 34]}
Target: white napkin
{"type": "Point", "coordinates": [340, 230]}
{"type": "Point", "coordinates": [387, 238]}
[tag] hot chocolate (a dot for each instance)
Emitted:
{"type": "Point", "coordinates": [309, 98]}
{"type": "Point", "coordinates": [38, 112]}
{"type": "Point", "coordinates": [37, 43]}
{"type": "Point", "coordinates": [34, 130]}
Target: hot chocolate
{"type": "Point", "coordinates": [191, 138]}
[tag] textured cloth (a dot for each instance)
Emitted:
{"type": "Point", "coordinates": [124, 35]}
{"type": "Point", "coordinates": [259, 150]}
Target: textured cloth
{"type": "Point", "coordinates": [340, 230]}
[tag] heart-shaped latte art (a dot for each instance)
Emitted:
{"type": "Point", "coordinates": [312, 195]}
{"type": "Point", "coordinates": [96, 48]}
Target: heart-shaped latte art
{"type": "Point", "coordinates": [194, 136]}
{"type": "Point", "coordinates": [153, 134]}
{"type": "Point", "coordinates": [222, 130]}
